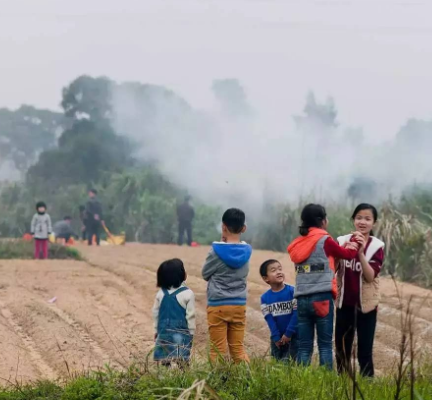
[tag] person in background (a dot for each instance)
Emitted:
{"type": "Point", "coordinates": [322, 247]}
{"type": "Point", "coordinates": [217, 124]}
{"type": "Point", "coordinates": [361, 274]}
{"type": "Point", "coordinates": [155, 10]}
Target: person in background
{"type": "Point", "coordinates": [63, 229]}
{"type": "Point", "coordinates": [173, 314]}
{"type": "Point", "coordinates": [226, 269]}
{"type": "Point", "coordinates": [313, 254]}
{"type": "Point", "coordinates": [41, 228]}
{"type": "Point", "coordinates": [279, 308]}
{"type": "Point", "coordinates": [94, 217]}
{"type": "Point", "coordinates": [359, 294]}
{"type": "Point", "coordinates": [83, 219]}
{"type": "Point", "coordinates": [185, 216]}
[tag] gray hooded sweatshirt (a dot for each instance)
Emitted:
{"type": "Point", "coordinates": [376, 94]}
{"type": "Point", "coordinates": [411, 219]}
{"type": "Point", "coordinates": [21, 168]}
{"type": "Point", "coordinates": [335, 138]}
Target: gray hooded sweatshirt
{"type": "Point", "coordinates": [226, 270]}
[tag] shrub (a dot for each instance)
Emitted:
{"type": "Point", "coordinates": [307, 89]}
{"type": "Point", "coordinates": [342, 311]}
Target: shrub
{"type": "Point", "coordinates": [21, 249]}
{"type": "Point", "coordinates": [84, 388]}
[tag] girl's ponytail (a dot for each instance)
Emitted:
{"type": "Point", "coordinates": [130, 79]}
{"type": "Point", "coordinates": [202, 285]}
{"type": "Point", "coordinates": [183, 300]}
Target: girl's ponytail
{"type": "Point", "coordinates": [303, 230]}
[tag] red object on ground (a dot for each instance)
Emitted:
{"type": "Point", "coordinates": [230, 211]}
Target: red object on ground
{"type": "Point", "coordinates": [194, 244]}
{"type": "Point", "coordinates": [27, 237]}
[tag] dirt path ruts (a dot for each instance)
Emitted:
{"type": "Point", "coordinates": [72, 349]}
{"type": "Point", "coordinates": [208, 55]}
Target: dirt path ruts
{"type": "Point", "coordinates": [103, 310]}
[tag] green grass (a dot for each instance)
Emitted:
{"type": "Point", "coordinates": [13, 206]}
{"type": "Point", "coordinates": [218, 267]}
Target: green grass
{"type": "Point", "coordinates": [262, 381]}
{"type": "Point", "coordinates": [21, 249]}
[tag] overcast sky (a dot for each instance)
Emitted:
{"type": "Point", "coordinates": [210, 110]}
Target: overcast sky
{"type": "Point", "coordinates": [373, 56]}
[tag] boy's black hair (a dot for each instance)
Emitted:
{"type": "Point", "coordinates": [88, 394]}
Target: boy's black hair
{"type": "Point", "coordinates": [40, 204]}
{"type": "Point", "coordinates": [67, 218]}
{"type": "Point", "coordinates": [366, 206]}
{"type": "Point", "coordinates": [94, 191]}
{"type": "Point", "coordinates": [312, 216]}
{"type": "Point", "coordinates": [234, 219]}
{"type": "Point", "coordinates": [171, 274]}
{"type": "Point", "coordinates": [265, 265]}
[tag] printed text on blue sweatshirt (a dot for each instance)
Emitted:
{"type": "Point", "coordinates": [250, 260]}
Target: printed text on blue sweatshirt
{"type": "Point", "coordinates": [280, 312]}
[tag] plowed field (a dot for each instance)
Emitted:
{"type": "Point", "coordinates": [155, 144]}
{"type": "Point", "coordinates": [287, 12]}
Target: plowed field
{"type": "Point", "coordinates": [102, 312]}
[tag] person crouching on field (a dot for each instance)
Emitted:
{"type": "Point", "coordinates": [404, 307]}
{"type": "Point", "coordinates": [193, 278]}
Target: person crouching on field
{"type": "Point", "coordinates": [279, 308]}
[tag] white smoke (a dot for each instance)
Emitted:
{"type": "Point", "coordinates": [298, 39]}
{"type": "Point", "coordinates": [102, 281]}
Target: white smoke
{"type": "Point", "coordinates": [232, 154]}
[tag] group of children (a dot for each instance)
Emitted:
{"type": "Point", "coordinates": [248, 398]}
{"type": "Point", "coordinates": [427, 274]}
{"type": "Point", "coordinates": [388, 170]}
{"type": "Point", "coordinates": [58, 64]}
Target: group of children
{"type": "Point", "coordinates": [329, 274]}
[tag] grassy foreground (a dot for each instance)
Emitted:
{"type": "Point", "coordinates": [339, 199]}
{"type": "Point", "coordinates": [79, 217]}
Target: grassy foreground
{"type": "Point", "coordinates": [263, 380]}
{"type": "Point", "coordinates": [24, 250]}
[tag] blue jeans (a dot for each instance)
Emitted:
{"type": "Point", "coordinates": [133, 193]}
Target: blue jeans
{"type": "Point", "coordinates": [286, 353]}
{"type": "Point", "coordinates": [315, 310]}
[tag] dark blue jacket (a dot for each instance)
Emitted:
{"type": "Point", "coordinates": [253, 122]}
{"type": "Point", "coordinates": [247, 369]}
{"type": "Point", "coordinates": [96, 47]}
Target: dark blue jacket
{"type": "Point", "coordinates": [280, 312]}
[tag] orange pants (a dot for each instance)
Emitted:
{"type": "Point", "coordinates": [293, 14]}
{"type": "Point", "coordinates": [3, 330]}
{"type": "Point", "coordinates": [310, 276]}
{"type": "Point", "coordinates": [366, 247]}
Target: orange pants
{"type": "Point", "coordinates": [227, 329]}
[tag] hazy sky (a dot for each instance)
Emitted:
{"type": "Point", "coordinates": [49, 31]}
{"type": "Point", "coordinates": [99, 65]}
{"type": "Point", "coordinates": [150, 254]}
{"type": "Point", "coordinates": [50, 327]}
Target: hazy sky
{"type": "Point", "coordinates": [373, 56]}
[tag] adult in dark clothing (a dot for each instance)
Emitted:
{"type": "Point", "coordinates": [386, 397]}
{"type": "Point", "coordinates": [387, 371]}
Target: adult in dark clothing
{"type": "Point", "coordinates": [63, 230]}
{"type": "Point", "coordinates": [93, 217]}
{"type": "Point", "coordinates": [185, 216]}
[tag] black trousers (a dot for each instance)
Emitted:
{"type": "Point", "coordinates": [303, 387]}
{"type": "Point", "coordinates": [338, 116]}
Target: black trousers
{"type": "Point", "coordinates": [93, 230]}
{"type": "Point", "coordinates": [185, 227]}
{"type": "Point", "coordinates": [65, 237]}
{"type": "Point", "coordinates": [348, 321]}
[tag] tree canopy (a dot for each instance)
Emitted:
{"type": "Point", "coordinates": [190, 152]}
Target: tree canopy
{"type": "Point", "coordinates": [26, 132]}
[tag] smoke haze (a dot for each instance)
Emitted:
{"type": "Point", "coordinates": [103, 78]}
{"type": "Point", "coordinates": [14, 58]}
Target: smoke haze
{"type": "Point", "coordinates": [243, 144]}
{"type": "Point", "coordinates": [233, 153]}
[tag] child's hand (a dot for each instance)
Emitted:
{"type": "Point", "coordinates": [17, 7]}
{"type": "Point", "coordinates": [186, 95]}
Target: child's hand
{"type": "Point", "coordinates": [285, 340]}
{"type": "Point", "coordinates": [359, 239]}
{"type": "Point", "coordinates": [351, 246]}
{"type": "Point", "coordinates": [278, 343]}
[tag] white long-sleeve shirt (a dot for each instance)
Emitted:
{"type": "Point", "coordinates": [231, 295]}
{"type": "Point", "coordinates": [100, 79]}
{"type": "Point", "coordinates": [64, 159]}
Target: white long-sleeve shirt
{"type": "Point", "coordinates": [186, 299]}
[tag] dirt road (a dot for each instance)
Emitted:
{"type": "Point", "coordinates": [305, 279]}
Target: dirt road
{"type": "Point", "coordinates": [102, 312]}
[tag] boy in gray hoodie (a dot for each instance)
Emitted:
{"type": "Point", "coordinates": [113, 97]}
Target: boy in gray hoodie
{"type": "Point", "coordinates": [226, 270]}
{"type": "Point", "coordinates": [41, 229]}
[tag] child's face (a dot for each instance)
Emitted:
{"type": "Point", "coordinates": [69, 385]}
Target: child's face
{"type": "Point", "coordinates": [274, 274]}
{"type": "Point", "coordinates": [41, 209]}
{"type": "Point", "coordinates": [364, 221]}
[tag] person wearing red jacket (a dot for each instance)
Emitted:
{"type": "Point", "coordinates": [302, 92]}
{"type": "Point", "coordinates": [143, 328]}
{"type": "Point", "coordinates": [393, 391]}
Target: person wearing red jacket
{"type": "Point", "coordinates": [314, 253]}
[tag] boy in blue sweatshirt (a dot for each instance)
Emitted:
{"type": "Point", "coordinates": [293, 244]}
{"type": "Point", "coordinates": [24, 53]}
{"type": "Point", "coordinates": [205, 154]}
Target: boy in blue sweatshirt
{"type": "Point", "coordinates": [226, 270]}
{"type": "Point", "coordinates": [280, 311]}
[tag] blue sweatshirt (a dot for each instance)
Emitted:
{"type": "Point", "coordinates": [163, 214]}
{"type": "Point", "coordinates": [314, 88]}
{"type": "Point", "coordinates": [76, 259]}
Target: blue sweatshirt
{"type": "Point", "coordinates": [280, 312]}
